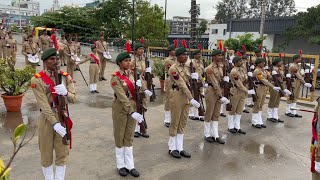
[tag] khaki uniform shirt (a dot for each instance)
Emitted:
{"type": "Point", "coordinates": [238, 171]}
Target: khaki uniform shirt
{"type": "Point", "coordinates": [262, 76]}
{"type": "Point", "coordinates": [295, 71]}
{"type": "Point", "coordinates": [281, 76]}
{"type": "Point", "coordinates": [69, 48]}
{"type": "Point", "coordinates": [44, 96]}
{"type": "Point", "coordinates": [77, 48]}
{"type": "Point", "coordinates": [11, 44]}
{"type": "Point", "coordinates": [101, 46]}
{"type": "Point", "coordinates": [199, 67]}
{"type": "Point", "coordinates": [180, 75]}
{"type": "Point", "coordinates": [3, 33]}
{"type": "Point", "coordinates": [62, 44]}
{"type": "Point", "coordinates": [214, 76]}
{"type": "Point", "coordinates": [24, 37]}
{"type": "Point", "coordinates": [238, 77]}
{"type": "Point", "coordinates": [169, 61]}
{"type": "Point", "coordinates": [29, 48]}
{"type": "Point", "coordinates": [139, 63]}
{"type": "Point", "coordinates": [45, 40]}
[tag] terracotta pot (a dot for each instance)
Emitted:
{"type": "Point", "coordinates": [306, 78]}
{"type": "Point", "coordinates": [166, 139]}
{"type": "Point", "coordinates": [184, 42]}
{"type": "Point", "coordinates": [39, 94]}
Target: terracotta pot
{"type": "Point", "coordinates": [12, 103]}
{"type": "Point", "coordinates": [162, 85]}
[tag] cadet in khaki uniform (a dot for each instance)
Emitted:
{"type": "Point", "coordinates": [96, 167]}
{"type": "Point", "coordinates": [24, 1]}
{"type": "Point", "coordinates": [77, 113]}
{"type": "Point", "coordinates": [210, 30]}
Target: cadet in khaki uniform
{"type": "Point", "coordinates": [138, 62]}
{"type": "Point", "coordinates": [102, 47]}
{"type": "Point", "coordinates": [77, 46]}
{"type": "Point", "coordinates": [238, 76]}
{"type": "Point", "coordinates": [214, 98]}
{"type": "Point", "coordinates": [94, 68]}
{"type": "Point", "coordinates": [29, 48]}
{"type": "Point", "coordinates": [180, 99]}
{"type": "Point", "coordinates": [124, 115]}
{"type": "Point", "coordinates": [70, 51]}
{"type": "Point", "coordinates": [44, 41]}
{"type": "Point", "coordinates": [316, 154]}
{"type": "Point", "coordinates": [274, 101]}
{"type": "Point", "coordinates": [295, 73]}
{"type": "Point", "coordinates": [35, 39]}
{"type": "Point", "coordinates": [199, 77]}
{"type": "Point", "coordinates": [11, 45]}
{"type": "Point", "coordinates": [62, 53]}
{"type": "Point", "coordinates": [262, 86]}
{"type": "Point", "coordinates": [3, 34]}
{"type": "Point", "coordinates": [168, 62]}
{"type": "Point", "coordinates": [50, 131]}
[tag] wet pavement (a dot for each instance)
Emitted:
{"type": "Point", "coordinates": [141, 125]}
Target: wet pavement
{"type": "Point", "coordinates": [278, 152]}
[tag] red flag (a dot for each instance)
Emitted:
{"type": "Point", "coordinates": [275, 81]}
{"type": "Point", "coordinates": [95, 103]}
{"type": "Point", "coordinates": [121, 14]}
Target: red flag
{"type": "Point", "coordinates": [184, 43]}
{"type": "Point", "coordinates": [264, 55]}
{"type": "Point", "coordinates": [55, 42]}
{"type": "Point", "coordinates": [128, 47]}
{"type": "Point", "coordinates": [260, 47]}
{"type": "Point", "coordinates": [220, 46]}
{"type": "Point", "coordinates": [300, 52]}
{"type": "Point", "coordinates": [244, 48]}
{"type": "Point", "coordinates": [225, 50]}
{"type": "Point", "coordinates": [200, 47]}
{"type": "Point", "coordinates": [142, 41]}
{"type": "Point", "coordinates": [239, 53]}
{"type": "Point", "coordinates": [280, 56]}
{"type": "Point", "coordinates": [175, 42]}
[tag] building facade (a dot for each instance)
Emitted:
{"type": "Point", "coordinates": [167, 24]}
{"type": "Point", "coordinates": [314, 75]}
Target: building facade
{"type": "Point", "coordinates": [180, 25]}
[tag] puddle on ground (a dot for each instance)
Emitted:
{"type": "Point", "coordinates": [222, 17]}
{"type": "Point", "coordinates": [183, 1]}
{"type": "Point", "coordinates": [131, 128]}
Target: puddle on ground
{"type": "Point", "coordinates": [10, 120]}
{"type": "Point", "coordinates": [100, 101]}
{"type": "Point", "coordinates": [255, 148]}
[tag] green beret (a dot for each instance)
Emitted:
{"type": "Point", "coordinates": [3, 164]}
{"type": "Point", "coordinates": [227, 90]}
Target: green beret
{"type": "Point", "coordinates": [196, 52]}
{"type": "Point", "coordinates": [216, 52]}
{"type": "Point", "coordinates": [171, 47]}
{"type": "Point", "coordinates": [260, 60]}
{"type": "Point", "coordinates": [137, 46]}
{"type": "Point", "coordinates": [276, 60]}
{"type": "Point", "coordinates": [180, 50]}
{"type": "Point", "coordinates": [122, 56]}
{"type": "Point", "coordinates": [48, 53]}
{"type": "Point", "coordinates": [296, 56]}
{"type": "Point", "coordinates": [93, 47]}
{"type": "Point", "coordinates": [236, 59]}
{"type": "Point", "coordinates": [257, 50]}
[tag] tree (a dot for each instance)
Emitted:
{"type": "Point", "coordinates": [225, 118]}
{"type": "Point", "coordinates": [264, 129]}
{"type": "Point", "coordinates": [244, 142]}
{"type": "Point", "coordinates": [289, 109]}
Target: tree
{"type": "Point", "coordinates": [149, 23]}
{"type": "Point", "coordinates": [238, 9]}
{"type": "Point", "coordinates": [246, 39]}
{"type": "Point", "coordinates": [202, 27]}
{"type": "Point", "coordinates": [307, 26]}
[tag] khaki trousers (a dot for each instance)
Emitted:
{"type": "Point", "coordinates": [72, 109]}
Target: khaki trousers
{"type": "Point", "coordinates": [274, 101]}
{"type": "Point", "coordinates": [62, 55]}
{"type": "Point", "coordinates": [50, 141]}
{"type": "Point", "coordinates": [315, 176]}
{"type": "Point", "coordinates": [179, 106]}
{"type": "Point", "coordinates": [93, 73]}
{"type": "Point", "coordinates": [213, 105]}
{"type": "Point", "coordinates": [123, 125]}
{"type": "Point", "coordinates": [237, 101]}
{"type": "Point", "coordinates": [296, 91]}
{"type": "Point", "coordinates": [261, 92]}
{"type": "Point", "coordinates": [70, 66]}
{"type": "Point", "coordinates": [103, 64]}
{"type": "Point", "coordinates": [168, 86]}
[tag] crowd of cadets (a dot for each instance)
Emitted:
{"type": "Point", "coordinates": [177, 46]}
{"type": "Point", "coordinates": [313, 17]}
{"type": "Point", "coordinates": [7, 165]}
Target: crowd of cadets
{"type": "Point", "coordinates": [181, 102]}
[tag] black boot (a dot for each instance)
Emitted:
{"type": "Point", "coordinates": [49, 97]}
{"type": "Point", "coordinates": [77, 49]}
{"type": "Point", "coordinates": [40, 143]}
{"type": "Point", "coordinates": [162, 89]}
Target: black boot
{"type": "Point", "coordinates": [289, 115]}
{"type": "Point", "coordinates": [96, 91]}
{"type": "Point", "coordinates": [280, 121]}
{"type": "Point", "coordinates": [123, 171]}
{"type": "Point", "coordinates": [103, 78]}
{"type": "Point", "coordinates": [222, 115]}
{"type": "Point", "coordinates": [136, 134]}
{"type": "Point", "coordinates": [245, 111]}
{"type": "Point", "coordinates": [263, 126]}
{"type": "Point", "coordinates": [193, 118]}
{"type": "Point", "coordinates": [218, 140]}
{"type": "Point", "coordinates": [145, 135]}
{"type": "Point", "coordinates": [209, 139]}
{"type": "Point", "coordinates": [232, 130]}
{"type": "Point", "coordinates": [183, 153]}
{"type": "Point", "coordinates": [240, 131]}
{"type": "Point", "coordinates": [271, 119]}
{"type": "Point", "coordinates": [92, 92]}
{"type": "Point", "coordinates": [134, 173]}
{"type": "Point", "coordinates": [257, 126]}
{"type": "Point", "coordinates": [167, 124]}
{"type": "Point", "coordinates": [298, 116]}
{"type": "Point", "coordinates": [175, 154]}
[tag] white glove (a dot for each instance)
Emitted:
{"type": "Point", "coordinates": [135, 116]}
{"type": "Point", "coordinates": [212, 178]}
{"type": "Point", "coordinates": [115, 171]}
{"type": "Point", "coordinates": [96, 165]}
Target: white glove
{"type": "Point", "coordinates": [288, 75]}
{"type": "Point", "coordinates": [41, 52]}
{"type": "Point", "coordinates": [206, 85]}
{"type": "Point", "coordinates": [224, 100]}
{"type": "Point", "coordinates": [274, 73]}
{"type": "Point", "coordinates": [277, 89]}
{"type": "Point", "coordinates": [148, 93]}
{"type": "Point", "coordinates": [60, 130]}
{"type": "Point", "coordinates": [266, 67]}
{"type": "Point", "coordinates": [72, 54]}
{"type": "Point", "coordinates": [252, 66]}
{"type": "Point", "coordinates": [148, 69]}
{"type": "Point", "coordinates": [61, 89]}
{"type": "Point", "coordinates": [195, 103]}
{"type": "Point", "coordinates": [39, 49]}
{"type": "Point", "coordinates": [251, 91]}
{"type": "Point", "coordinates": [226, 78]}
{"type": "Point", "coordinates": [287, 92]}
{"type": "Point", "coordinates": [308, 85]}
{"type": "Point", "coordinates": [195, 76]}
{"type": "Point", "coordinates": [317, 166]}
{"type": "Point", "coordinates": [138, 117]}
{"type": "Point", "coordinates": [302, 71]}
{"type": "Point", "coordinates": [29, 55]}
{"type": "Point", "coordinates": [138, 83]}
{"type": "Point", "coordinates": [250, 74]}
{"type": "Point", "coordinates": [77, 62]}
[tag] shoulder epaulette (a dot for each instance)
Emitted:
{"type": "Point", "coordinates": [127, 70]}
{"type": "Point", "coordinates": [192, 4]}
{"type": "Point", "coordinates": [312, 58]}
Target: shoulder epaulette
{"type": "Point", "coordinates": [64, 73]}
{"type": "Point", "coordinates": [37, 75]}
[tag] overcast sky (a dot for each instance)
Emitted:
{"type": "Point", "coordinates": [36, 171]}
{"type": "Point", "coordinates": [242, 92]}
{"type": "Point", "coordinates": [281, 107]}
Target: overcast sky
{"type": "Point", "coordinates": [175, 7]}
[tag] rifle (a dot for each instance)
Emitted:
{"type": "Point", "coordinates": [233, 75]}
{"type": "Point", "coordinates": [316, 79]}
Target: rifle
{"type": "Point", "coordinates": [62, 106]}
{"type": "Point", "coordinates": [148, 77]}
{"type": "Point", "coordinates": [252, 82]}
{"type": "Point", "coordinates": [289, 81]}
{"type": "Point", "coordinates": [226, 85]}
{"type": "Point", "coordinates": [195, 89]}
{"type": "Point", "coordinates": [308, 77]}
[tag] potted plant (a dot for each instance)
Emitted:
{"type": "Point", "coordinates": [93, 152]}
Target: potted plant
{"type": "Point", "coordinates": [14, 82]}
{"type": "Point", "coordinates": [159, 71]}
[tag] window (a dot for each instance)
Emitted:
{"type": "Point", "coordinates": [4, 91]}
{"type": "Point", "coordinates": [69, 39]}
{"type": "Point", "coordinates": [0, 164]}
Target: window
{"type": "Point", "coordinates": [224, 31]}
{"type": "Point", "coordinates": [35, 7]}
{"type": "Point", "coordinates": [214, 31]}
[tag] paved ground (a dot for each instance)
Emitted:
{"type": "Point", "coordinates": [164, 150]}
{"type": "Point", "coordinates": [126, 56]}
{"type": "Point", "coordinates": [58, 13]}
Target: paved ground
{"type": "Point", "coordinates": [278, 152]}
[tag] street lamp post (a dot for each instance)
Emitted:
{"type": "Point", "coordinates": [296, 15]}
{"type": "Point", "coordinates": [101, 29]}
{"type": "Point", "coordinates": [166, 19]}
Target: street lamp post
{"type": "Point", "coordinates": [165, 20]}
{"type": "Point", "coordinates": [19, 17]}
